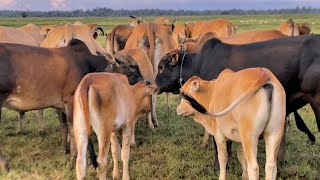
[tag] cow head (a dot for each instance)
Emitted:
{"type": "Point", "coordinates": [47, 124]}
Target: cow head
{"type": "Point", "coordinates": [304, 28]}
{"type": "Point", "coordinates": [142, 92]}
{"type": "Point", "coordinates": [167, 79]}
{"type": "Point", "coordinates": [124, 64]}
{"type": "Point", "coordinates": [136, 21]}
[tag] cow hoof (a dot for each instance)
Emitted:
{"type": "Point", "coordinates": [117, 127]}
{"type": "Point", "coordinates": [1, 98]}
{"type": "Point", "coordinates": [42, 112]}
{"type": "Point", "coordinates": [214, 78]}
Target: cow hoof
{"type": "Point", "coordinates": [4, 166]}
{"type": "Point", "coordinates": [312, 139]}
{"type": "Point", "coordinates": [42, 132]}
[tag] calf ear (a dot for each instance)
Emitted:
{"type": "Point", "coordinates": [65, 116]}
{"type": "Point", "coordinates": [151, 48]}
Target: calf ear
{"type": "Point", "coordinates": [174, 58]}
{"type": "Point", "coordinates": [180, 39]}
{"type": "Point", "coordinates": [150, 89]}
{"type": "Point", "coordinates": [195, 85]}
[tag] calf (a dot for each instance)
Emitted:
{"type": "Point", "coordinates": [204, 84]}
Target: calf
{"type": "Point", "coordinates": [250, 102]}
{"type": "Point", "coordinates": [107, 103]}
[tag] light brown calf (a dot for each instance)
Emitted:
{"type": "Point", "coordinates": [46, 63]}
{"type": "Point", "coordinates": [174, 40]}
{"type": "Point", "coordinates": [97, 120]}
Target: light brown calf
{"type": "Point", "coordinates": [222, 27]}
{"type": "Point", "coordinates": [289, 28]}
{"type": "Point", "coordinates": [250, 103]}
{"type": "Point", "coordinates": [107, 103]}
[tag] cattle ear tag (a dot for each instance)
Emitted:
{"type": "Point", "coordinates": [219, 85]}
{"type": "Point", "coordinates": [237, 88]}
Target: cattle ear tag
{"type": "Point", "coordinates": [195, 86]}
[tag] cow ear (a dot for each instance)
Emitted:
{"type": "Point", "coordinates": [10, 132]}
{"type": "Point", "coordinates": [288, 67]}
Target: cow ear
{"type": "Point", "coordinates": [150, 89]}
{"type": "Point", "coordinates": [174, 58]}
{"type": "Point", "coordinates": [195, 85]}
{"type": "Point", "coordinates": [180, 39]}
{"type": "Point", "coordinates": [108, 56]}
{"type": "Point", "coordinates": [196, 39]}
{"type": "Point", "coordinates": [172, 27]}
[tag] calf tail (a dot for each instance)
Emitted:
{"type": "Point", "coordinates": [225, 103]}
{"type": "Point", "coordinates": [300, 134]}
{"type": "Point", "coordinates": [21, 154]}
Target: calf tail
{"type": "Point", "coordinates": [93, 157]}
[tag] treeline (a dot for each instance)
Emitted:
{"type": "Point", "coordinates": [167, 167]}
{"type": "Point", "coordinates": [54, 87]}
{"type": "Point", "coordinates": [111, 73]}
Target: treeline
{"type": "Point", "coordinates": [103, 12]}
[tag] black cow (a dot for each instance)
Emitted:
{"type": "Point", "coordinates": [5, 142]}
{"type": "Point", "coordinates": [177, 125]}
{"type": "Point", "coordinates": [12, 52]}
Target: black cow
{"type": "Point", "coordinates": [295, 61]}
{"type": "Point", "coordinates": [35, 78]}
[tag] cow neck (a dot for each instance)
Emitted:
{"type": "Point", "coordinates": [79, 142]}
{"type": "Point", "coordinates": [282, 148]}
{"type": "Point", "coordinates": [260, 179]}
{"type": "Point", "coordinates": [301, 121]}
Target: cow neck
{"type": "Point", "coordinates": [186, 70]}
{"type": "Point", "coordinates": [98, 63]}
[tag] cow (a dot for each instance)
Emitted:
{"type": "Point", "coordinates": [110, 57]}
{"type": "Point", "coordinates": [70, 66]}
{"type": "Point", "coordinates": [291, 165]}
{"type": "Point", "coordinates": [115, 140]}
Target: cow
{"type": "Point", "coordinates": [146, 69]}
{"type": "Point", "coordinates": [304, 28]}
{"type": "Point", "coordinates": [289, 28]}
{"type": "Point", "coordinates": [194, 45]}
{"type": "Point", "coordinates": [240, 106]}
{"type": "Point", "coordinates": [155, 40]}
{"type": "Point", "coordinates": [222, 27]}
{"type": "Point", "coordinates": [107, 103]}
{"type": "Point", "coordinates": [179, 32]}
{"type": "Point", "coordinates": [36, 78]}
{"type": "Point", "coordinates": [136, 21]}
{"type": "Point", "coordinates": [29, 34]}
{"type": "Point", "coordinates": [293, 60]}
{"type": "Point", "coordinates": [117, 38]}
{"type": "Point", "coordinates": [61, 35]}
{"type": "Point", "coordinates": [162, 20]}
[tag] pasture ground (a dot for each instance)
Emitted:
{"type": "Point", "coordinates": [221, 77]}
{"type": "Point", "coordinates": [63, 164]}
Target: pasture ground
{"type": "Point", "coordinates": [173, 151]}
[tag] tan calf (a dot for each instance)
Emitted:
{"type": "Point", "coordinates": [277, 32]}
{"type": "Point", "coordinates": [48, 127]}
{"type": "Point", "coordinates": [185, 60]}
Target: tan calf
{"type": "Point", "coordinates": [250, 103]}
{"type": "Point", "coordinates": [289, 28]}
{"type": "Point", "coordinates": [107, 103]}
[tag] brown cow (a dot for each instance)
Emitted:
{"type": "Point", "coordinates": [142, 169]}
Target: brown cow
{"type": "Point", "coordinates": [222, 27]}
{"type": "Point", "coordinates": [289, 28]}
{"type": "Point", "coordinates": [36, 78]}
{"type": "Point", "coordinates": [161, 20]}
{"type": "Point", "coordinates": [61, 35]}
{"type": "Point", "coordinates": [117, 38]}
{"type": "Point", "coordinates": [136, 21]}
{"type": "Point", "coordinates": [194, 46]}
{"type": "Point", "coordinates": [146, 69]}
{"type": "Point", "coordinates": [107, 103]}
{"type": "Point", "coordinates": [180, 31]}
{"type": "Point", "coordinates": [243, 105]}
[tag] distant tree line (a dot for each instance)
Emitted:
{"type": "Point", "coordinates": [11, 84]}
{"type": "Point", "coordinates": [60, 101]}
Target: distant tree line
{"type": "Point", "coordinates": [103, 12]}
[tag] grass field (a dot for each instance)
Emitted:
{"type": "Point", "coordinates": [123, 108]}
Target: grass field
{"type": "Point", "coordinates": [173, 151]}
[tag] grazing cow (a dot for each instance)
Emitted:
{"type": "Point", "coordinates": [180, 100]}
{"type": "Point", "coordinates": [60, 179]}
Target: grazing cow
{"type": "Point", "coordinates": [61, 35]}
{"type": "Point", "coordinates": [289, 28]}
{"type": "Point", "coordinates": [293, 60]}
{"type": "Point", "coordinates": [36, 78]}
{"type": "Point", "coordinates": [242, 105]}
{"type": "Point", "coordinates": [107, 103]}
{"type": "Point", "coordinates": [117, 38]}
{"type": "Point", "coordinates": [179, 32]}
{"type": "Point", "coordinates": [222, 27]}
{"type": "Point", "coordinates": [304, 28]}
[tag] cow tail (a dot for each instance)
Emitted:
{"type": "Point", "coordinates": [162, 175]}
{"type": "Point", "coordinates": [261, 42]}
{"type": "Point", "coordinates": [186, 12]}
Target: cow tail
{"type": "Point", "coordinates": [112, 36]}
{"type": "Point", "coordinates": [151, 43]}
{"type": "Point", "coordinates": [85, 108]}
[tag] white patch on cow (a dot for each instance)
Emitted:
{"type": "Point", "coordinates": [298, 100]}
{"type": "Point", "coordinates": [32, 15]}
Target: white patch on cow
{"type": "Point", "coordinates": [122, 115]}
{"type": "Point", "coordinates": [158, 53]}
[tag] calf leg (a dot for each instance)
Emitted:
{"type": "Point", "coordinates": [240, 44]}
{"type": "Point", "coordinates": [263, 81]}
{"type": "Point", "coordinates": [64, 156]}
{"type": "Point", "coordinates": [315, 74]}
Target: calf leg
{"type": "Point", "coordinates": [41, 122]}
{"type": "Point", "coordinates": [104, 145]}
{"type": "Point", "coordinates": [215, 153]}
{"type": "Point", "coordinates": [64, 130]}
{"type": "Point", "coordinates": [153, 110]}
{"type": "Point", "coordinates": [125, 152]}
{"type": "Point", "coordinates": [303, 127]}
{"type": "Point", "coordinates": [243, 162]}
{"type": "Point", "coordinates": [20, 122]}
{"type": "Point", "coordinates": [115, 155]}
{"type": "Point", "coordinates": [133, 139]}
{"type": "Point", "coordinates": [282, 150]}
{"type": "Point", "coordinates": [250, 147]}
{"type": "Point", "coordinates": [205, 140]}
{"type": "Point", "coordinates": [81, 139]}
{"type": "Point", "coordinates": [272, 142]}
{"type": "Point", "coordinates": [4, 165]}
{"type": "Point", "coordinates": [222, 156]}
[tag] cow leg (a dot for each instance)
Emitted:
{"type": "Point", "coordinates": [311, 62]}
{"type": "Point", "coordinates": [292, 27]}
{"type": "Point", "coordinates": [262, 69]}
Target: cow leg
{"type": "Point", "coordinates": [104, 145]}
{"type": "Point", "coordinates": [303, 127]}
{"type": "Point", "coordinates": [153, 110]}
{"type": "Point", "coordinates": [4, 165]}
{"type": "Point", "coordinates": [314, 102]}
{"type": "Point", "coordinates": [282, 150]}
{"type": "Point", "coordinates": [243, 161]}
{"type": "Point", "coordinates": [222, 156]}
{"type": "Point", "coordinates": [205, 140]}
{"type": "Point", "coordinates": [150, 114]}
{"type": "Point", "coordinates": [115, 155]}
{"type": "Point", "coordinates": [20, 123]}
{"type": "Point", "coordinates": [64, 130]}
{"type": "Point", "coordinates": [216, 162]}
{"type": "Point", "coordinates": [272, 143]}
{"type": "Point", "coordinates": [81, 139]}
{"type": "Point", "coordinates": [167, 101]}
{"type": "Point", "coordinates": [69, 114]}
{"type": "Point", "coordinates": [41, 122]}
{"type": "Point", "coordinates": [133, 139]}
{"type": "Point", "coordinates": [125, 152]}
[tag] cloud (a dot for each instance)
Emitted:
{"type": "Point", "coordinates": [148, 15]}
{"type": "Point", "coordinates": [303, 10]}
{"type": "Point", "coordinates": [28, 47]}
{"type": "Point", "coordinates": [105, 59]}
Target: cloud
{"type": "Point", "coordinates": [60, 4]}
{"type": "Point", "coordinates": [7, 4]}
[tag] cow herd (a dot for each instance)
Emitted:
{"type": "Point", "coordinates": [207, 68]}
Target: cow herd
{"type": "Point", "coordinates": [239, 86]}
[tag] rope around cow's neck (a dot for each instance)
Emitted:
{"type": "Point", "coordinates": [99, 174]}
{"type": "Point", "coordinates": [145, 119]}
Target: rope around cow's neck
{"type": "Point", "coordinates": [181, 78]}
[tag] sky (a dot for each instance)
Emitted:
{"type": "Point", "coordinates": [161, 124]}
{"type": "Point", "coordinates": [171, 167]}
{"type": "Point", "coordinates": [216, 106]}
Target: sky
{"type": "Point", "coordinates": [66, 5]}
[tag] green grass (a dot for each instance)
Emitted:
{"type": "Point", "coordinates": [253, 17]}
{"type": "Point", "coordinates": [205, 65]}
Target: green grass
{"type": "Point", "coordinates": [172, 152]}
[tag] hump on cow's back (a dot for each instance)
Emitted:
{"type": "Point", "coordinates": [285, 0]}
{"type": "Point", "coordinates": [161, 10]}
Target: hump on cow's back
{"type": "Point", "coordinates": [211, 43]}
{"type": "Point", "coordinates": [78, 45]}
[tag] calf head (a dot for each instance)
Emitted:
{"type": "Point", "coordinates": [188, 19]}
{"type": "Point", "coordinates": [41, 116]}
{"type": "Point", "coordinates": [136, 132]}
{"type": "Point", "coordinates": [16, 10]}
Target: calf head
{"type": "Point", "coordinates": [142, 92]}
{"type": "Point", "coordinates": [124, 64]}
{"type": "Point", "coordinates": [167, 79]}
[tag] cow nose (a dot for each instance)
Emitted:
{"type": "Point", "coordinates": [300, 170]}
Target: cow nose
{"type": "Point", "coordinates": [179, 112]}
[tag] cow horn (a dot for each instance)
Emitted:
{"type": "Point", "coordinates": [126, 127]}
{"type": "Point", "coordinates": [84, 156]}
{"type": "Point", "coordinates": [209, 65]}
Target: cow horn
{"type": "Point", "coordinates": [174, 20]}
{"type": "Point", "coordinates": [95, 29]}
{"type": "Point", "coordinates": [133, 17]}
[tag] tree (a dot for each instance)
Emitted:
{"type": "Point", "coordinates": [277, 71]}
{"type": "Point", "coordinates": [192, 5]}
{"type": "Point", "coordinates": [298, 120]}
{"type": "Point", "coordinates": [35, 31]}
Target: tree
{"type": "Point", "coordinates": [24, 14]}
